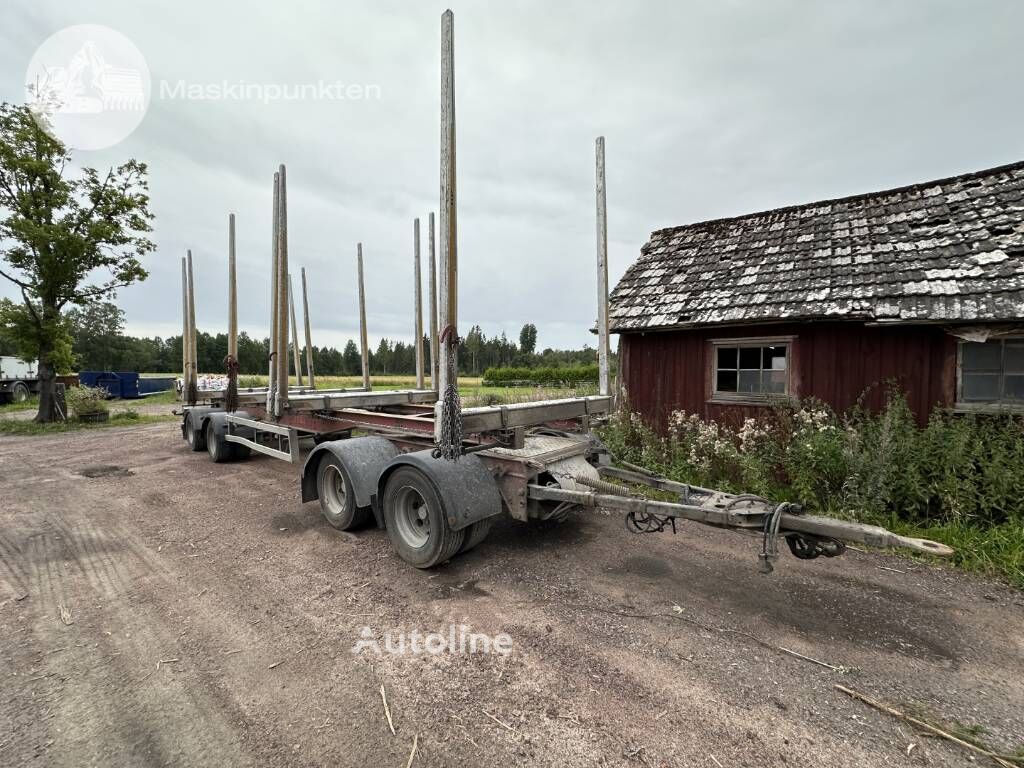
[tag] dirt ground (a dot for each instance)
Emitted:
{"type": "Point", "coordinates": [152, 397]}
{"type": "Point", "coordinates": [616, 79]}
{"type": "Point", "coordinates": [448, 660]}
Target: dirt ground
{"type": "Point", "coordinates": [157, 609]}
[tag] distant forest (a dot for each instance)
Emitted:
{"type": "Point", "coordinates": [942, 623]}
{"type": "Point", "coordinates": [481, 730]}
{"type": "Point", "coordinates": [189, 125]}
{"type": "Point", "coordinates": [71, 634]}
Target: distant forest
{"type": "Point", "coordinates": [99, 343]}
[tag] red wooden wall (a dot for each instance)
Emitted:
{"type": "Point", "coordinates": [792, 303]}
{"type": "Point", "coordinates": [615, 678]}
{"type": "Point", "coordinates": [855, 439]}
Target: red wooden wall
{"type": "Point", "coordinates": [832, 361]}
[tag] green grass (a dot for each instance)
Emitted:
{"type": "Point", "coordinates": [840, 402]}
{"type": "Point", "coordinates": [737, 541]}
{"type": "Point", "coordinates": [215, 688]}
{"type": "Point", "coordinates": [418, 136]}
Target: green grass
{"type": "Point", "coordinates": [126, 418]}
{"type": "Point", "coordinates": [31, 404]}
{"type": "Point", "coordinates": [994, 551]}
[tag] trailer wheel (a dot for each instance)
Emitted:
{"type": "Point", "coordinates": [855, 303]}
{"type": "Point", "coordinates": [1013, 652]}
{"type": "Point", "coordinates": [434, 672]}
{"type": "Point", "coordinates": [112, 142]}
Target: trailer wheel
{"type": "Point", "coordinates": [218, 448]}
{"type": "Point", "coordinates": [19, 392]}
{"type": "Point", "coordinates": [194, 437]}
{"type": "Point", "coordinates": [416, 521]}
{"type": "Point", "coordinates": [337, 496]}
{"type": "Point", "coordinates": [476, 533]}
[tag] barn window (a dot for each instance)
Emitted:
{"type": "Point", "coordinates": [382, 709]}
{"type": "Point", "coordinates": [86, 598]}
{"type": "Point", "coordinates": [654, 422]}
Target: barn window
{"type": "Point", "coordinates": [992, 372]}
{"type": "Point", "coordinates": [748, 369]}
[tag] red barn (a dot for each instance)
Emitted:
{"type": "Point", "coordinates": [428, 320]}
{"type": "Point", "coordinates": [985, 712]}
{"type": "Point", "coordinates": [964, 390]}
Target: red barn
{"type": "Point", "coordinates": [922, 285]}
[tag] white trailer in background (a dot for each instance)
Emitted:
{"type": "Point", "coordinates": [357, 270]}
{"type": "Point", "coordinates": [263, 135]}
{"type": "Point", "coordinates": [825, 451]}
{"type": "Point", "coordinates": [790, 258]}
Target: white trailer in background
{"type": "Point", "coordinates": [19, 379]}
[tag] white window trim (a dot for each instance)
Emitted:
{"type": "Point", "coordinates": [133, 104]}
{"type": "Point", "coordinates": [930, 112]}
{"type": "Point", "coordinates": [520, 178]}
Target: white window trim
{"type": "Point", "coordinates": [752, 398]}
{"type": "Point", "coordinates": [971, 406]}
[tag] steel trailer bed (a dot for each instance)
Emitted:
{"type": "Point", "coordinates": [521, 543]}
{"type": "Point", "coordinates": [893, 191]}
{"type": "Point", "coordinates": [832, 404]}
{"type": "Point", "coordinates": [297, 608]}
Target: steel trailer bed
{"type": "Point", "coordinates": [436, 475]}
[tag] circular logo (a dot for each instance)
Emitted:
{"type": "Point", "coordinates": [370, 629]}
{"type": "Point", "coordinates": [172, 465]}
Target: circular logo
{"type": "Point", "coordinates": [88, 86]}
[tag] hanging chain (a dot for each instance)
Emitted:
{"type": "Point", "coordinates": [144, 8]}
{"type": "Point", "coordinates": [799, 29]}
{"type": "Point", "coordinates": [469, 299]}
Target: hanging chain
{"type": "Point", "coordinates": [231, 395]}
{"type": "Point", "coordinates": [450, 444]}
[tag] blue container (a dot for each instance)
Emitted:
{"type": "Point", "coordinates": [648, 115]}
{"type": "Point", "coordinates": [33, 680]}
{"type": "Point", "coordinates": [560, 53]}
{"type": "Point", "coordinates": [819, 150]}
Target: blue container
{"type": "Point", "coordinates": [150, 386]}
{"type": "Point", "coordinates": [120, 384]}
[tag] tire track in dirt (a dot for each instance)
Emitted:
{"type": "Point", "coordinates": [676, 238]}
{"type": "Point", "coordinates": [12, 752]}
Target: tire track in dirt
{"type": "Point", "coordinates": [11, 558]}
{"type": "Point", "coordinates": [100, 569]}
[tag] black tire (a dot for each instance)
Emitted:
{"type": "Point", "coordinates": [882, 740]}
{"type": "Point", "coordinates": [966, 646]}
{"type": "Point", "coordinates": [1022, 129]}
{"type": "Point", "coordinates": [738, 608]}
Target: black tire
{"type": "Point", "coordinates": [476, 533]}
{"type": "Point", "coordinates": [337, 497]}
{"type": "Point", "coordinates": [240, 451]}
{"type": "Point", "coordinates": [416, 522]}
{"type": "Point", "coordinates": [19, 392]}
{"type": "Point", "coordinates": [218, 448]}
{"type": "Point", "coordinates": [194, 437]}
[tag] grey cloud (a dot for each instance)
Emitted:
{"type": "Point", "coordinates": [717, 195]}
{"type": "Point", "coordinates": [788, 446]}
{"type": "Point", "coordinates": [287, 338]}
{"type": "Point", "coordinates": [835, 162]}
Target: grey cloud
{"type": "Point", "coordinates": [710, 109]}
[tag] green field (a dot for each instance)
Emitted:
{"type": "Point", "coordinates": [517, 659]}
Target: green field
{"type": "Point", "coordinates": [471, 388]}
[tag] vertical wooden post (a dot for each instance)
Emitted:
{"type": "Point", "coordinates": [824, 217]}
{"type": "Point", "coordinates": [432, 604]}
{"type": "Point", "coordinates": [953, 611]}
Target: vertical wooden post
{"type": "Point", "coordinates": [282, 292]}
{"type": "Point", "coordinates": [309, 336]}
{"type": "Point", "coordinates": [417, 302]}
{"type": "Point", "coordinates": [433, 306]}
{"type": "Point", "coordinates": [232, 291]}
{"type": "Point", "coordinates": [193, 344]}
{"type": "Point", "coordinates": [363, 342]}
{"type": "Point", "coordinates": [296, 350]}
{"type": "Point", "coordinates": [186, 344]}
{"type": "Point", "coordinates": [448, 220]}
{"type": "Point", "coordinates": [602, 271]}
{"type": "Point", "coordinates": [272, 351]}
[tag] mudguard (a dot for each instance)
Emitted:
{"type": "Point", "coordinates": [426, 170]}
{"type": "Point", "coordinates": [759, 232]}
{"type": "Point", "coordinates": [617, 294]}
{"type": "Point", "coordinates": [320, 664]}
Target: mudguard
{"type": "Point", "coordinates": [363, 458]}
{"type": "Point", "coordinates": [466, 487]}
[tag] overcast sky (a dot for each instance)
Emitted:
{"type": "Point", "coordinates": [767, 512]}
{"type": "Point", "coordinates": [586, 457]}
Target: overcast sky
{"type": "Point", "coordinates": [710, 109]}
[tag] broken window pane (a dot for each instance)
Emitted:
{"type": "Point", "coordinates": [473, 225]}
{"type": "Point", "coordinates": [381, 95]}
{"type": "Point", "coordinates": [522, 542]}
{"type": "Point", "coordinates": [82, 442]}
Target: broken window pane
{"type": "Point", "coordinates": [775, 358]}
{"type": "Point", "coordinates": [726, 381]}
{"type": "Point", "coordinates": [727, 357]}
{"type": "Point", "coordinates": [750, 358]}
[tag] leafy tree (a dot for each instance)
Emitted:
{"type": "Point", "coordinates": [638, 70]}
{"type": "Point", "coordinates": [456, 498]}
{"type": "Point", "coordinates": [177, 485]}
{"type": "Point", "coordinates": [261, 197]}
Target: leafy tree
{"type": "Point", "coordinates": [97, 330]}
{"type": "Point", "coordinates": [63, 241]}
{"type": "Point", "coordinates": [528, 339]}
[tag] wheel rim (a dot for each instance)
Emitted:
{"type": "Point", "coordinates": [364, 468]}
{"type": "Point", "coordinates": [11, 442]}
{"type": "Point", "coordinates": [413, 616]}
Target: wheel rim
{"type": "Point", "coordinates": [412, 517]}
{"type": "Point", "coordinates": [20, 394]}
{"type": "Point", "coordinates": [334, 491]}
{"type": "Point", "coordinates": [190, 435]}
{"type": "Point", "coordinates": [211, 442]}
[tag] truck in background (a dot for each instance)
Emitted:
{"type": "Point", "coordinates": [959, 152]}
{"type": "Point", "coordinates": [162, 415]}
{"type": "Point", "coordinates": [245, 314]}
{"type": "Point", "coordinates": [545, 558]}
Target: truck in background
{"type": "Point", "coordinates": [18, 379]}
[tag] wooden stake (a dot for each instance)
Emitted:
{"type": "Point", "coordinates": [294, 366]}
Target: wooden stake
{"type": "Point", "coordinates": [448, 219]}
{"type": "Point", "coordinates": [433, 304]}
{"type": "Point", "coordinates": [193, 351]}
{"type": "Point", "coordinates": [296, 352]}
{"type": "Point", "coordinates": [185, 345]}
{"type": "Point", "coordinates": [363, 342]}
{"type": "Point", "coordinates": [309, 336]}
{"type": "Point", "coordinates": [272, 351]}
{"type": "Point", "coordinates": [282, 292]}
{"type": "Point", "coordinates": [417, 303]}
{"type": "Point", "coordinates": [232, 291]}
{"type": "Point", "coordinates": [602, 272]}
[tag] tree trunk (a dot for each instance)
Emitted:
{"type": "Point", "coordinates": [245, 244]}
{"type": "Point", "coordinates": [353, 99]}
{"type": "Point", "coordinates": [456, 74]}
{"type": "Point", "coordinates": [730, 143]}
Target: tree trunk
{"type": "Point", "coordinates": [47, 389]}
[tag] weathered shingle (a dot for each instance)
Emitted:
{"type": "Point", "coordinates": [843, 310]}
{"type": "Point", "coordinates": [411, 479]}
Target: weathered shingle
{"type": "Point", "coordinates": [947, 250]}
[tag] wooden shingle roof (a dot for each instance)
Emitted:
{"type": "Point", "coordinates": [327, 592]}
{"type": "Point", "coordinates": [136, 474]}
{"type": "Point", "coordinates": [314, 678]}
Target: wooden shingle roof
{"type": "Point", "coordinates": [950, 250]}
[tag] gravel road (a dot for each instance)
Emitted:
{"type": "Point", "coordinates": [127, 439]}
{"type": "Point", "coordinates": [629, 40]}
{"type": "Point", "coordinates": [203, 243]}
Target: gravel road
{"type": "Point", "coordinates": [157, 609]}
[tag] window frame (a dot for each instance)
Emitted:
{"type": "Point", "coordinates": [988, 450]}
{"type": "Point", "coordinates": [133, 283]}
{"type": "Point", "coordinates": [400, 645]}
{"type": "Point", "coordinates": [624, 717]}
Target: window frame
{"type": "Point", "coordinates": [1001, 405]}
{"type": "Point", "coordinates": [750, 398]}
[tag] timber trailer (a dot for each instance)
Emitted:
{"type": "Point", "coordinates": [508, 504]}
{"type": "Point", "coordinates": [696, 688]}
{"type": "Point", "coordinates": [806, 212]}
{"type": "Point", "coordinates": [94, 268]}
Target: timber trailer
{"type": "Point", "coordinates": [435, 475]}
